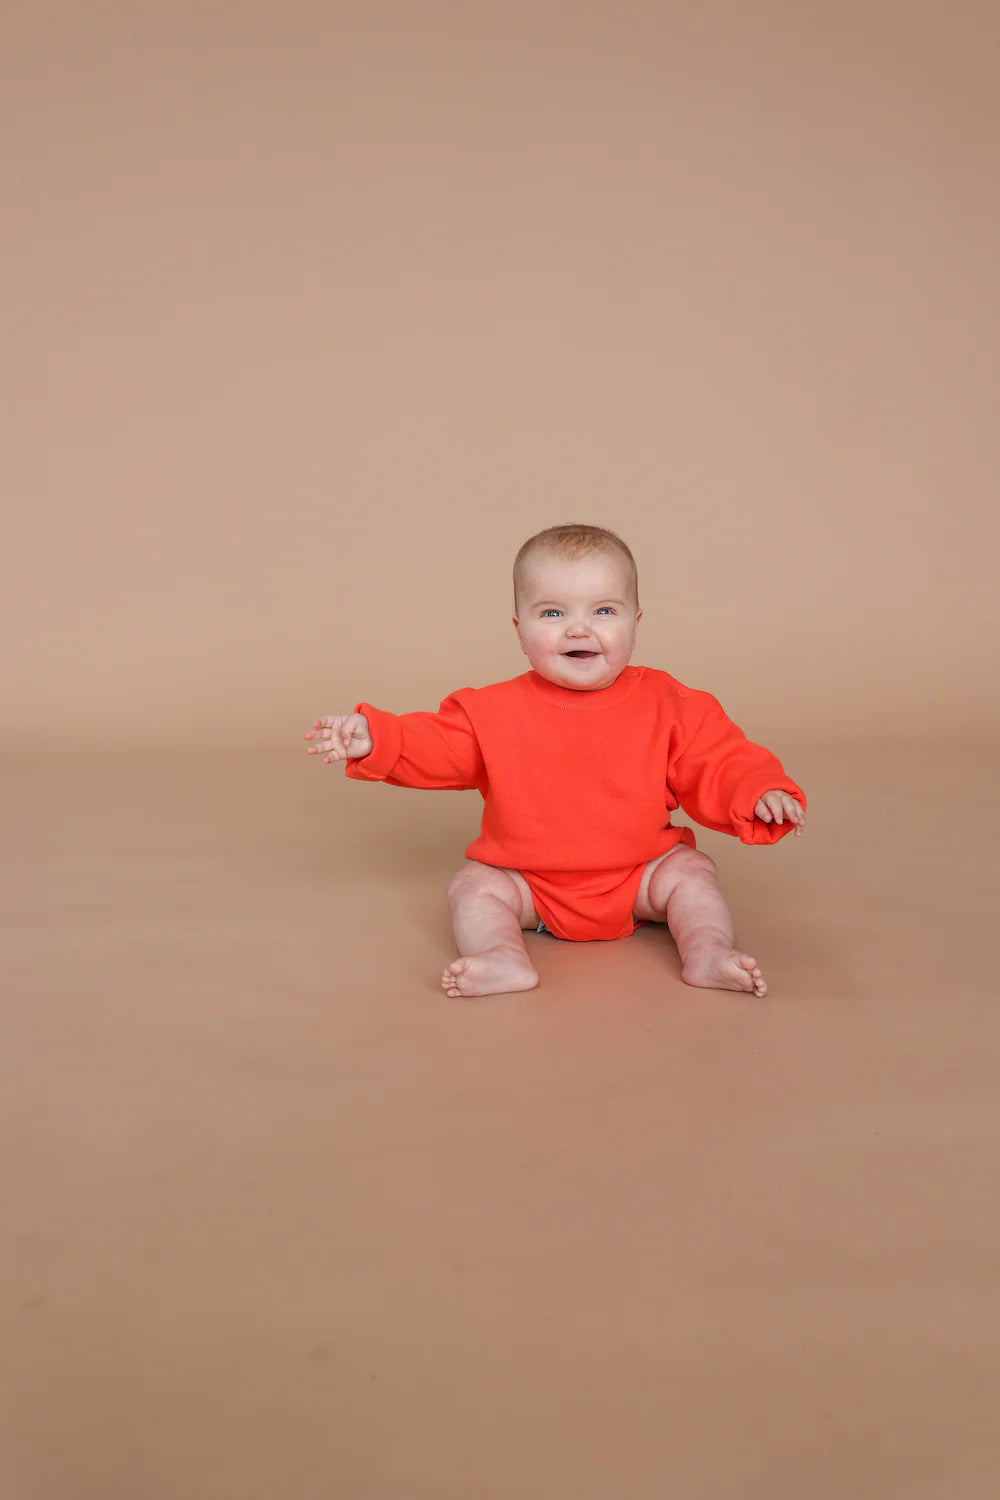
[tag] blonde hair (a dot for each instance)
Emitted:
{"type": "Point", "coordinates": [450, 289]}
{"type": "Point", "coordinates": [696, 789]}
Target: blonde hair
{"type": "Point", "coordinates": [572, 542]}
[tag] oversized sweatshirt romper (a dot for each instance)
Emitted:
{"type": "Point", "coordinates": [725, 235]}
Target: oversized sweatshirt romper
{"type": "Point", "coordinates": [579, 786]}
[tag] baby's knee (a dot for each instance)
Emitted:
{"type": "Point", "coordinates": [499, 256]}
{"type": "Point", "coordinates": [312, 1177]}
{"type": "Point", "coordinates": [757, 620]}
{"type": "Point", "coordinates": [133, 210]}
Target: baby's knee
{"type": "Point", "coordinates": [475, 879]}
{"type": "Point", "coordinates": [683, 863]}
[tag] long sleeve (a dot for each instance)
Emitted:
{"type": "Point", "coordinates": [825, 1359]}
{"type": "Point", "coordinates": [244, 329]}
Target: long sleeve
{"type": "Point", "coordinates": [719, 775]}
{"type": "Point", "coordinates": [434, 751]}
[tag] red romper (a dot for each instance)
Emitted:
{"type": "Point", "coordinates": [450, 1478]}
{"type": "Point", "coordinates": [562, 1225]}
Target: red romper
{"type": "Point", "coordinates": [579, 786]}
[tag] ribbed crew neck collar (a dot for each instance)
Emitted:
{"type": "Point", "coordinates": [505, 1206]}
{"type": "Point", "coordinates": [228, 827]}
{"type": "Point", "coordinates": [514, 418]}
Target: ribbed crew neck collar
{"type": "Point", "coordinates": [578, 699]}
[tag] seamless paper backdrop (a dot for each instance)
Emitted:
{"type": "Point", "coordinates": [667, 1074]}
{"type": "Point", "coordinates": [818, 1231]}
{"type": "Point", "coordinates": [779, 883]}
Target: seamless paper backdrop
{"type": "Point", "coordinates": [314, 311]}
{"type": "Point", "coordinates": [317, 312]}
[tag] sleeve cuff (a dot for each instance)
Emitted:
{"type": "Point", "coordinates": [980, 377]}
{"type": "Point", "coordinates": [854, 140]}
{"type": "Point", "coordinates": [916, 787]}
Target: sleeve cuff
{"type": "Point", "coordinates": [387, 738]}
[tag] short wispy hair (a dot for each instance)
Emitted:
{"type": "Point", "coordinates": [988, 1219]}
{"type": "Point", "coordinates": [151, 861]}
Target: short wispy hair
{"type": "Point", "coordinates": [572, 542]}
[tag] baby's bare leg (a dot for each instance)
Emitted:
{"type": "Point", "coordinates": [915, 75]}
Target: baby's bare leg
{"type": "Point", "coordinates": [487, 907]}
{"type": "Point", "coordinates": [684, 888]}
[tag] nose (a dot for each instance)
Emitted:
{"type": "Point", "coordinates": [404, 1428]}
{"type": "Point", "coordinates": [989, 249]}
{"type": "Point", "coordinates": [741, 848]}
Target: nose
{"type": "Point", "coordinates": [577, 628]}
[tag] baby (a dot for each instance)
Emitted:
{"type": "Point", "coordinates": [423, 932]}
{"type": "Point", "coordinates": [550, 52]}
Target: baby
{"type": "Point", "coordinates": [580, 762]}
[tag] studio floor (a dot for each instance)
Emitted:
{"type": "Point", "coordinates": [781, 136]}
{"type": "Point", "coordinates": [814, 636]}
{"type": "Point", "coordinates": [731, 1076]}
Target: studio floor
{"type": "Point", "coordinates": [285, 1223]}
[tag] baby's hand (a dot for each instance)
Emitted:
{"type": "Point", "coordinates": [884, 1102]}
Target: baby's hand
{"type": "Point", "coordinates": [343, 736]}
{"type": "Point", "coordinates": [781, 805]}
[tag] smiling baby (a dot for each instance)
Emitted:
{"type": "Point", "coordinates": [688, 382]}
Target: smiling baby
{"type": "Point", "coordinates": [580, 762]}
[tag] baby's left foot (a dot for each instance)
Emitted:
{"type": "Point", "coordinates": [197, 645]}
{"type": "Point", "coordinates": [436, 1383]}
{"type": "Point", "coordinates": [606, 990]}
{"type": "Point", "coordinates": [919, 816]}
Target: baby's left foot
{"type": "Point", "coordinates": [716, 965]}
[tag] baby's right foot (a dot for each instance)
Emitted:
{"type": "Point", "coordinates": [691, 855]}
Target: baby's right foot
{"type": "Point", "coordinates": [498, 971]}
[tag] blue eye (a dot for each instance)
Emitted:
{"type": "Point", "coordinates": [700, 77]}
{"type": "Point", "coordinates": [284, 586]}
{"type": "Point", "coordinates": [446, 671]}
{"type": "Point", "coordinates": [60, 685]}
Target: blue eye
{"type": "Point", "coordinates": [546, 612]}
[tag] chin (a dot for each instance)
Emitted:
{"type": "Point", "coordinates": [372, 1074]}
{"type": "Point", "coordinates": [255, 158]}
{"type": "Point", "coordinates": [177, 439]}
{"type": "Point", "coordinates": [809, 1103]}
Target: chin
{"type": "Point", "coordinates": [583, 681]}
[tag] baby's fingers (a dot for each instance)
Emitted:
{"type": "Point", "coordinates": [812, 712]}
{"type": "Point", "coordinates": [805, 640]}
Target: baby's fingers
{"type": "Point", "coordinates": [778, 806]}
{"type": "Point", "coordinates": [794, 810]}
{"type": "Point", "coordinates": [328, 732]}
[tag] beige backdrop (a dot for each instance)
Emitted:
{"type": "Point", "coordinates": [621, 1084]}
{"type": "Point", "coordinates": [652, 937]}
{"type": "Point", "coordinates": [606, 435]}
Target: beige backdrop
{"type": "Point", "coordinates": [316, 311]}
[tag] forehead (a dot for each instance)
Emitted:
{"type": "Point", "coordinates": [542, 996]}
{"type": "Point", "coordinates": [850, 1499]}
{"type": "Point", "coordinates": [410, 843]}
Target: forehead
{"type": "Point", "coordinates": [559, 577]}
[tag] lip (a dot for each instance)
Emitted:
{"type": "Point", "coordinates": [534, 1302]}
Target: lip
{"type": "Point", "coordinates": [581, 658]}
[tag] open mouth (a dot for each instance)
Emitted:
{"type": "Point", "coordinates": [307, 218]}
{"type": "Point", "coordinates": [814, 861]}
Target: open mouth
{"type": "Point", "coordinates": [581, 655]}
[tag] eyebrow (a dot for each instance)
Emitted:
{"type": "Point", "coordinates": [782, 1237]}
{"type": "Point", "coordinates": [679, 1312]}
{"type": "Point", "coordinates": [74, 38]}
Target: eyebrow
{"type": "Point", "coordinates": [537, 603]}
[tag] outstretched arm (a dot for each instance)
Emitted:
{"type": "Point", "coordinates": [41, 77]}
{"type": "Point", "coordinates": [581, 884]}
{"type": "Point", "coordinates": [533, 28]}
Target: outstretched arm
{"type": "Point", "coordinates": [434, 751]}
{"type": "Point", "coordinates": [724, 780]}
